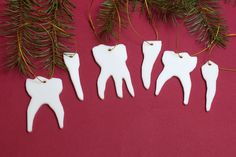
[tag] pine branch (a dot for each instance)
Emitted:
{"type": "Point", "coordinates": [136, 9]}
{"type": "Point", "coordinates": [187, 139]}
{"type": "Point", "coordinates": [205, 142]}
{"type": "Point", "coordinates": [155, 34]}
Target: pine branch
{"type": "Point", "coordinates": [167, 11]}
{"type": "Point", "coordinates": [201, 17]}
{"type": "Point", "coordinates": [36, 31]}
{"type": "Point", "coordinates": [16, 26]}
{"type": "Point", "coordinates": [111, 18]}
{"type": "Point", "coordinates": [58, 25]}
{"type": "Point", "coordinates": [204, 21]}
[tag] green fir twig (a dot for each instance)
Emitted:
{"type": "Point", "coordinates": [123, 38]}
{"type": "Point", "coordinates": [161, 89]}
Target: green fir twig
{"type": "Point", "coordinates": [37, 33]}
{"type": "Point", "coordinates": [201, 17]}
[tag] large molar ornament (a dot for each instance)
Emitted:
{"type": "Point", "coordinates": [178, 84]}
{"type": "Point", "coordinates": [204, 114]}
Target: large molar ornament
{"type": "Point", "coordinates": [112, 61]}
{"type": "Point", "coordinates": [44, 91]}
{"type": "Point", "coordinates": [178, 65]}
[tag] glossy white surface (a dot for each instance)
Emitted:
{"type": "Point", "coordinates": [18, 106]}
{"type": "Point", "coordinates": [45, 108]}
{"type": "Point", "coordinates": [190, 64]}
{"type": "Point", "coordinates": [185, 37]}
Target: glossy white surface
{"type": "Point", "coordinates": [72, 63]}
{"type": "Point", "coordinates": [151, 50]}
{"type": "Point", "coordinates": [210, 72]}
{"type": "Point", "coordinates": [112, 61]}
{"type": "Point", "coordinates": [44, 93]}
{"type": "Point", "coordinates": [178, 65]}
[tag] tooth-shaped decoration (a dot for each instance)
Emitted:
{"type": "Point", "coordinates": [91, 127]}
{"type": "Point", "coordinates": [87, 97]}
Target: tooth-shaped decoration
{"type": "Point", "coordinates": [45, 92]}
{"type": "Point", "coordinates": [112, 60]}
{"type": "Point", "coordinates": [151, 50]}
{"type": "Point", "coordinates": [210, 72]}
{"type": "Point", "coordinates": [72, 63]}
{"type": "Point", "coordinates": [179, 65]}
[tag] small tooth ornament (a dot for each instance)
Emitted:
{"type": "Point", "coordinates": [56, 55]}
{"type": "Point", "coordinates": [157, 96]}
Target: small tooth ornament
{"type": "Point", "coordinates": [178, 65]}
{"type": "Point", "coordinates": [151, 50]}
{"type": "Point", "coordinates": [210, 72]}
{"type": "Point", "coordinates": [44, 91]}
{"type": "Point", "coordinates": [112, 60]}
{"type": "Point", "coordinates": [72, 63]}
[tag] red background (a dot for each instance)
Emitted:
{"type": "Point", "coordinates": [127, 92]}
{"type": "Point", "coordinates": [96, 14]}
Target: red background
{"type": "Point", "coordinates": [144, 126]}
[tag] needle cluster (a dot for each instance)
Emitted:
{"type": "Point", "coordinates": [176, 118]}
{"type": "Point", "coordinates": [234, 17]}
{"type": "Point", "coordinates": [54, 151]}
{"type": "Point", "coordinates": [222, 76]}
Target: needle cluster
{"type": "Point", "coordinates": [202, 18]}
{"type": "Point", "coordinates": [37, 33]}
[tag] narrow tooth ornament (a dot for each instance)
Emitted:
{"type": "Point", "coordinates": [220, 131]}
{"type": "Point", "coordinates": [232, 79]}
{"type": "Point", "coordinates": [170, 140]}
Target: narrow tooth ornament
{"type": "Point", "coordinates": [112, 60]}
{"type": "Point", "coordinates": [44, 91]}
{"type": "Point", "coordinates": [178, 65]}
{"type": "Point", "coordinates": [210, 72]}
{"type": "Point", "coordinates": [72, 63]}
{"type": "Point", "coordinates": [151, 50]}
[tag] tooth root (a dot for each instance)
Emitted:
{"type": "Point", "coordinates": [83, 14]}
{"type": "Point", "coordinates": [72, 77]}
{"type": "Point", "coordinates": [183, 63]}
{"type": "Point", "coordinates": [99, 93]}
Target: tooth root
{"type": "Point", "coordinates": [118, 85]}
{"type": "Point", "coordinates": [72, 63]}
{"type": "Point", "coordinates": [129, 82]}
{"type": "Point", "coordinates": [150, 53]}
{"type": "Point", "coordinates": [101, 83]}
{"type": "Point", "coordinates": [161, 80]}
{"type": "Point", "coordinates": [56, 106]}
{"type": "Point", "coordinates": [181, 67]}
{"type": "Point", "coordinates": [78, 89]}
{"type": "Point", "coordinates": [44, 93]}
{"type": "Point", "coordinates": [186, 84]}
{"type": "Point", "coordinates": [112, 63]}
{"type": "Point", "coordinates": [210, 72]}
{"type": "Point", "coordinates": [31, 111]}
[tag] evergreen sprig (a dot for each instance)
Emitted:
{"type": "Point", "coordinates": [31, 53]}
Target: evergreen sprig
{"type": "Point", "coordinates": [21, 46]}
{"type": "Point", "coordinates": [59, 14]}
{"type": "Point", "coordinates": [164, 10]}
{"type": "Point", "coordinates": [201, 17]}
{"type": "Point", "coordinates": [111, 19]}
{"type": "Point", "coordinates": [37, 33]}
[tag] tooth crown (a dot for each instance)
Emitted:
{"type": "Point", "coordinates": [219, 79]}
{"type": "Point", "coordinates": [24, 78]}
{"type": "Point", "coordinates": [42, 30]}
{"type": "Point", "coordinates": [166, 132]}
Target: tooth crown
{"type": "Point", "coordinates": [154, 49]}
{"type": "Point", "coordinates": [36, 88]}
{"type": "Point", "coordinates": [71, 60]}
{"type": "Point", "coordinates": [112, 60]}
{"type": "Point", "coordinates": [210, 71]}
{"type": "Point", "coordinates": [180, 63]}
{"type": "Point", "coordinates": [115, 59]}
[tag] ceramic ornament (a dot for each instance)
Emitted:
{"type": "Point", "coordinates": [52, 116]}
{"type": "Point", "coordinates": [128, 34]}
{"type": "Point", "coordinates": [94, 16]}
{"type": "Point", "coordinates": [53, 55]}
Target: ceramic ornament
{"type": "Point", "coordinates": [41, 93]}
{"type": "Point", "coordinates": [179, 65]}
{"type": "Point", "coordinates": [72, 63]}
{"type": "Point", "coordinates": [151, 50]}
{"type": "Point", "coordinates": [112, 60]}
{"type": "Point", "coordinates": [210, 72]}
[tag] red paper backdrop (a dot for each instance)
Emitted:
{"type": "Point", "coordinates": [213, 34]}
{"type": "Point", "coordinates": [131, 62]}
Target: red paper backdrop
{"type": "Point", "coordinates": [144, 126]}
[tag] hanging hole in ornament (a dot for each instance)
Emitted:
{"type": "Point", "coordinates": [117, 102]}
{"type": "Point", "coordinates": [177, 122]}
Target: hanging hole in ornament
{"type": "Point", "coordinates": [42, 81]}
{"type": "Point", "coordinates": [68, 54]}
{"type": "Point", "coordinates": [209, 63]}
{"type": "Point", "coordinates": [180, 56]}
{"type": "Point", "coordinates": [151, 44]}
{"type": "Point", "coordinates": [109, 49]}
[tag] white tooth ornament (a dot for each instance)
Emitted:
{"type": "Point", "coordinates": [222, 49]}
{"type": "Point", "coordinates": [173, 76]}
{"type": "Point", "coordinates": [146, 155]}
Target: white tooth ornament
{"type": "Point", "coordinates": [210, 72]}
{"type": "Point", "coordinates": [112, 60]}
{"type": "Point", "coordinates": [151, 50]}
{"type": "Point", "coordinates": [178, 65]}
{"type": "Point", "coordinates": [44, 91]}
{"type": "Point", "coordinates": [72, 63]}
